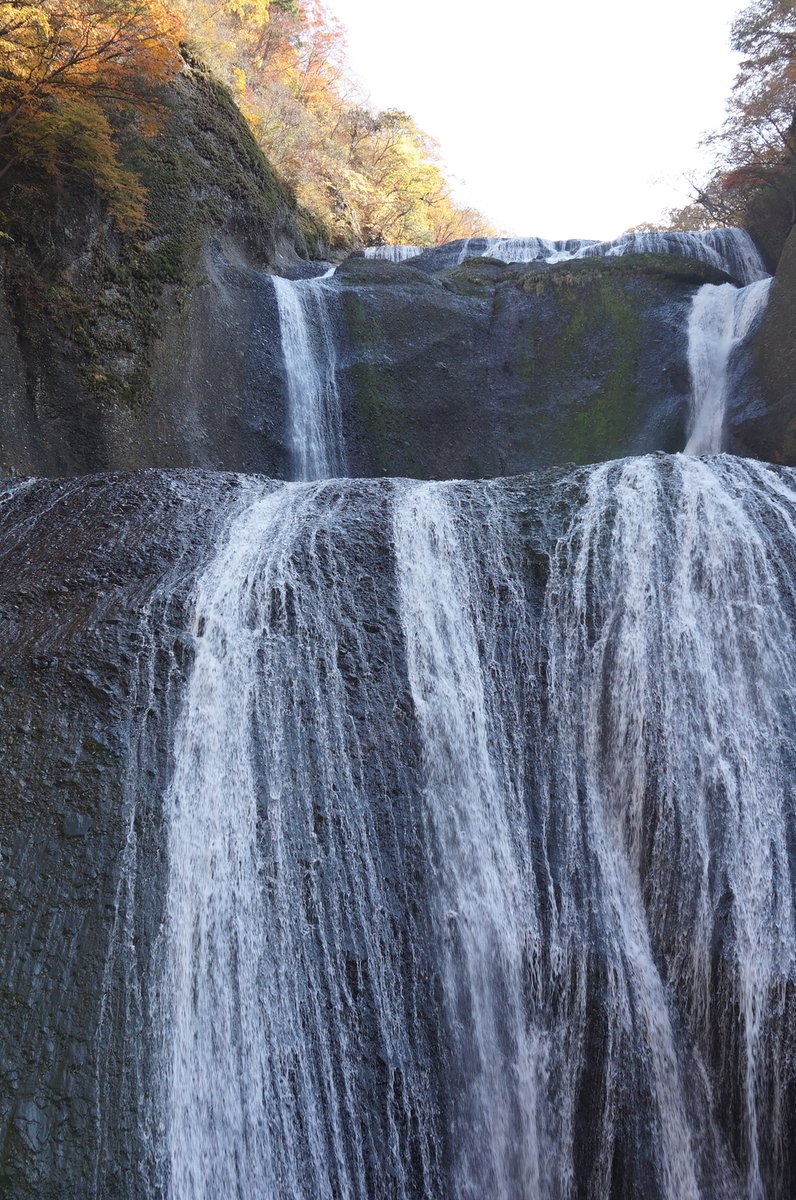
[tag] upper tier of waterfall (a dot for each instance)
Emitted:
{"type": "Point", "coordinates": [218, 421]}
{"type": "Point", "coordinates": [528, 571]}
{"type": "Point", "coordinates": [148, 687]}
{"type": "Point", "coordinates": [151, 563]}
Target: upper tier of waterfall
{"type": "Point", "coordinates": [393, 253]}
{"type": "Point", "coordinates": [315, 434]}
{"type": "Point", "coordinates": [729, 250]}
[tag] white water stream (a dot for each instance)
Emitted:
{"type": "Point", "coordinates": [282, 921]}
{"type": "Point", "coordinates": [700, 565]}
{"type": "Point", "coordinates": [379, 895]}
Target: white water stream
{"type": "Point", "coordinates": [721, 319]}
{"type": "Point", "coordinates": [315, 432]}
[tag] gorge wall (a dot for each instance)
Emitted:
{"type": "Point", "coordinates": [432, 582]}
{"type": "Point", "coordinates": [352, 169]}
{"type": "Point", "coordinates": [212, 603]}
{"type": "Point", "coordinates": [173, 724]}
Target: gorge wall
{"type": "Point", "coordinates": [372, 838]}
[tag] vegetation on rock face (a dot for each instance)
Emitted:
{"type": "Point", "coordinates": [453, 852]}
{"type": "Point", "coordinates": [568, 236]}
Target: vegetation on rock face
{"type": "Point", "coordinates": [91, 296]}
{"type": "Point", "coordinates": [371, 177]}
{"type": "Point", "coordinates": [76, 74]}
{"type": "Point", "coordinates": [754, 180]}
{"type": "Point", "coordinates": [71, 71]}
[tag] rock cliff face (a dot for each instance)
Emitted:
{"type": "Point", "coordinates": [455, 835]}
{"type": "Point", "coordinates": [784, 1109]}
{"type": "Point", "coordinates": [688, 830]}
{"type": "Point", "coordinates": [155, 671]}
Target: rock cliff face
{"type": "Point", "coordinates": [91, 620]}
{"type": "Point", "coordinates": [482, 370]}
{"type": "Point", "coordinates": [116, 347]}
{"type": "Point", "coordinates": [487, 369]}
{"type": "Point", "coordinates": [770, 428]}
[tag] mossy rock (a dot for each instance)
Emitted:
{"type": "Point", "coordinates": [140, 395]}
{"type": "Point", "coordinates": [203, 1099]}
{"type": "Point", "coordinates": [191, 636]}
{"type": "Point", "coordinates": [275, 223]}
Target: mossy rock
{"type": "Point", "coordinates": [359, 270]}
{"type": "Point", "coordinates": [475, 276]}
{"type": "Point", "coordinates": [105, 293]}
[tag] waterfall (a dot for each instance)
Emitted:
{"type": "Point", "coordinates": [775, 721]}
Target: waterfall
{"type": "Point", "coordinates": [484, 917]}
{"type": "Point", "coordinates": [721, 318]}
{"type": "Point", "coordinates": [308, 348]}
{"type": "Point", "coordinates": [396, 254]}
{"type": "Point", "coordinates": [728, 250]}
{"type": "Point", "coordinates": [282, 975]}
{"type": "Point", "coordinates": [532, 249]}
{"type": "Point", "coordinates": [479, 842]}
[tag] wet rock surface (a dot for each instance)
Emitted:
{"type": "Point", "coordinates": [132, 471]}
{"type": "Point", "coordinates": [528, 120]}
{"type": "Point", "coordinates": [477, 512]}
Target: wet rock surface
{"type": "Point", "coordinates": [770, 428]}
{"type": "Point", "coordinates": [488, 369]}
{"type": "Point", "coordinates": [92, 616]}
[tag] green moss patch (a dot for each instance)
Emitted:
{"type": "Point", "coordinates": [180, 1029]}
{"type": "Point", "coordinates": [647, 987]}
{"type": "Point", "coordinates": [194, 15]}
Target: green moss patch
{"type": "Point", "coordinates": [203, 174]}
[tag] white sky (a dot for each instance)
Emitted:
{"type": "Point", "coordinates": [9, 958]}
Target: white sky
{"type": "Point", "coordinates": [559, 118]}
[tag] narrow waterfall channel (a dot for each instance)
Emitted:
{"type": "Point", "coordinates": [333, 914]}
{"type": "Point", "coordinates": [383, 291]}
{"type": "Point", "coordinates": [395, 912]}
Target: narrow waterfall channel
{"type": "Point", "coordinates": [721, 318]}
{"type": "Point", "coordinates": [314, 419]}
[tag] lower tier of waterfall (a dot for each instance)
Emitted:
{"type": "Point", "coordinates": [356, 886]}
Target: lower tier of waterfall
{"type": "Point", "coordinates": [480, 843]}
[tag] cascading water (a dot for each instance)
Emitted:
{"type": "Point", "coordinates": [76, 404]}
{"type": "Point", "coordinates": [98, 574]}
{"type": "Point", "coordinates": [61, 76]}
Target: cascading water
{"type": "Point", "coordinates": [728, 250]}
{"type": "Point", "coordinates": [721, 319]}
{"type": "Point", "coordinates": [396, 254]}
{"type": "Point", "coordinates": [479, 842]}
{"type": "Point", "coordinates": [308, 348]}
{"type": "Point", "coordinates": [289, 935]}
{"type": "Point", "coordinates": [485, 921]}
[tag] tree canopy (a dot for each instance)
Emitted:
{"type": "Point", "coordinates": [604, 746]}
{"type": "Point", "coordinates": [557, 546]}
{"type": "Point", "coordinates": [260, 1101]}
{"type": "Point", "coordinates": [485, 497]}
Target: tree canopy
{"type": "Point", "coordinates": [754, 178]}
{"type": "Point", "coordinates": [69, 67]}
{"type": "Point", "coordinates": [62, 62]}
{"type": "Point", "coordinates": [371, 177]}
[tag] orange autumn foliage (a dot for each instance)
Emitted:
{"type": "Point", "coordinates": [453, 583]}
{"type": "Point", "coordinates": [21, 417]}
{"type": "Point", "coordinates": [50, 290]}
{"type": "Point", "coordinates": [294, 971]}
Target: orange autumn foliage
{"type": "Point", "coordinates": [370, 177]}
{"type": "Point", "coordinates": [69, 68]}
{"type": "Point", "coordinates": [63, 63]}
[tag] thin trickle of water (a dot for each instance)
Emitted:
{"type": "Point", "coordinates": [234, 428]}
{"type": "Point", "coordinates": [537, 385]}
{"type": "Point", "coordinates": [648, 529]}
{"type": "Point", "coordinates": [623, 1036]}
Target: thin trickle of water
{"type": "Point", "coordinates": [315, 434]}
{"type": "Point", "coordinates": [721, 318]}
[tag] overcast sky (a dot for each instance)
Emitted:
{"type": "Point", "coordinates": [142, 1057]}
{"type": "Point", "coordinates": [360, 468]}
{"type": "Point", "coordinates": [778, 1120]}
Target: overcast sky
{"type": "Point", "coordinates": [568, 118]}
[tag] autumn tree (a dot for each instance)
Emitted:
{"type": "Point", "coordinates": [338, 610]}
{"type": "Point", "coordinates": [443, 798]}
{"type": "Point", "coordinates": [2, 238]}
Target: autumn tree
{"type": "Point", "coordinates": [754, 179]}
{"type": "Point", "coordinates": [370, 177]}
{"type": "Point", "coordinates": [63, 65]}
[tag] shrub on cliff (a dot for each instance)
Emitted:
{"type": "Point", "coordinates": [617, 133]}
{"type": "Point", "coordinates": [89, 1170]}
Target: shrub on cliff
{"type": "Point", "coordinates": [68, 70]}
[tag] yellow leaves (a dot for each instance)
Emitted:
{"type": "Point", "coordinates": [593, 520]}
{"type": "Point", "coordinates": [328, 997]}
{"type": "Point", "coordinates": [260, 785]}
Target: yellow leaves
{"type": "Point", "coordinates": [62, 62]}
{"type": "Point", "coordinates": [252, 13]}
{"type": "Point", "coordinates": [83, 46]}
{"type": "Point", "coordinates": [85, 138]}
{"type": "Point", "coordinates": [366, 175]}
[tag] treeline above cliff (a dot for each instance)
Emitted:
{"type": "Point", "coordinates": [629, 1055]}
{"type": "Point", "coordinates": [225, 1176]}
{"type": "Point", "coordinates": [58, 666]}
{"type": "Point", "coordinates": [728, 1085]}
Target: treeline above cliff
{"type": "Point", "coordinates": [753, 180]}
{"type": "Point", "coordinates": [76, 75]}
{"type": "Point", "coordinates": [371, 177]}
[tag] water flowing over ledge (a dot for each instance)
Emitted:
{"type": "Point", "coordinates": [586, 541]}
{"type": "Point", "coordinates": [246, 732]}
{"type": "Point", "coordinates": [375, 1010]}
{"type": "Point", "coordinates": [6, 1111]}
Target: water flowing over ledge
{"type": "Point", "coordinates": [478, 835]}
{"type": "Point", "coordinates": [394, 254]}
{"type": "Point", "coordinates": [314, 419]}
{"type": "Point", "coordinates": [721, 319]}
{"type": "Point", "coordinates": [729, 250]}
